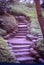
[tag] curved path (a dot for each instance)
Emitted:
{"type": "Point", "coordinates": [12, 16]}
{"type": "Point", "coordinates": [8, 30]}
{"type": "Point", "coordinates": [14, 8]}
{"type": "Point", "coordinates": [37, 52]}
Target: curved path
{"type": "Point", "coordinates": [21, 47]}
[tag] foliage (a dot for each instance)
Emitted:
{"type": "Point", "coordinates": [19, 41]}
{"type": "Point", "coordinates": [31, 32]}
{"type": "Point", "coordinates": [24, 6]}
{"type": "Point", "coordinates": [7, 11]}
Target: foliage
{"type": "Point", "coordinates": [35, 27]}
{"type": "Point", "coordinates": [23, 9]}
{"type": "Point", "coordinates": [2, 32]}
{"type": "Point", "coordinates": [31, 13]}
{"type": "Point", "coordinates": [40, 46]}
{"type": "Point", "coordinates": [5, 55]}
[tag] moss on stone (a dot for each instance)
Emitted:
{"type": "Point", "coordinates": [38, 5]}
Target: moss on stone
{"type": "Point", "coordinates": [5, 54]}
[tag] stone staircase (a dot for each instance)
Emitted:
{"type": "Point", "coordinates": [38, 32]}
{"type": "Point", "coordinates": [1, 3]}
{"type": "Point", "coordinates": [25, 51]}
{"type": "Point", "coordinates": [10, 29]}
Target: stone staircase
{"type": "Point", "coordinates": [23, 48]}
{"type": "Point", "coordinates": [22, 30]}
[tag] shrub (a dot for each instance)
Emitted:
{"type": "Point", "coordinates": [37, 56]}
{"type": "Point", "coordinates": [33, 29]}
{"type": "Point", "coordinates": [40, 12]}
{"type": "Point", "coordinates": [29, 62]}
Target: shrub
{"type": "Point", "coordinates": [5, 55]}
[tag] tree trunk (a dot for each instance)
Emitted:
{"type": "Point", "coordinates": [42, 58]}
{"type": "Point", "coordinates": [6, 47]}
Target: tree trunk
{"type": "Point", "coordinates": [39, 14]}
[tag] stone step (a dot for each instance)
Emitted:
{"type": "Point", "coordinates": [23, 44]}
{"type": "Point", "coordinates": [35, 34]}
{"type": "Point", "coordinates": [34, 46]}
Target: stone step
{"type": "Point", "coordinates": [27, 43]}
{"type": "Point", "coordinates": [22, 26]}
{"type": "Point", "coordinates": [21, 46]}
{"type": "Point", "coordinates": [13, 48]}
{"type": "Point", "coordinates": [20, 36]}
{"type": "Point", "coordinates": [22, 29]}
{"type": "Point", "coordinates": [22, 23]}
{"type": "Point", "coordinates": [22, 17]}
{"type": "Point", "coordinates": [24, 49]}
{"type": "Point", "coordinates": [22, 53]}
{"type": "Point", "coordinates": [25, 58]}
{"type": "Point", "coordinates": [20, 41]}
{"type": "Point", "coordinates": [20, 32]}
{"type": "Point", "coordinates": [20, 50]}
{"type": "Point", "coordinates": [29, 36]}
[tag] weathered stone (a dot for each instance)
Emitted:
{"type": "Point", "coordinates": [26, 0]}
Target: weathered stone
{"type": "Point", "coordinates": [41, 60]}
{"type": "Point", "coordinates": [9, 23]}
